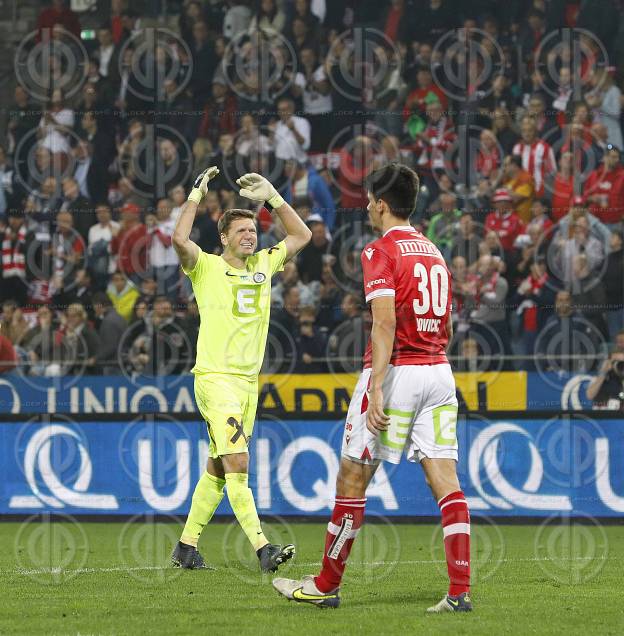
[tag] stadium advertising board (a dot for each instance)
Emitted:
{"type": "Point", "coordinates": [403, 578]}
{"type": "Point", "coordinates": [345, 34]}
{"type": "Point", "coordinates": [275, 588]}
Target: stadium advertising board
{"type": "Point", "coordinates": [310, 394]}
{"type": "Point", "coordinates": [532, 467]}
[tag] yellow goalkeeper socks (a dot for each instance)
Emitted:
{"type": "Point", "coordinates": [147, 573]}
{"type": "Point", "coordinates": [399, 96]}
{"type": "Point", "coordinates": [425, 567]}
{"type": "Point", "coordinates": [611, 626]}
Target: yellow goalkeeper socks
{"type": "Point", "coordinates": [244, 507]}
{"type": "Point", "coordinates": [206, 498]}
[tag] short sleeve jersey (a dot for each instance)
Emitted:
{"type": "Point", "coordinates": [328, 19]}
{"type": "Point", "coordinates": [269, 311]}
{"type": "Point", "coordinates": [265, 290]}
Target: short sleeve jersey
{"type": "Point", "coordinates": [406, 265]}
{"type": "Point", "coordinates": [234, 310]}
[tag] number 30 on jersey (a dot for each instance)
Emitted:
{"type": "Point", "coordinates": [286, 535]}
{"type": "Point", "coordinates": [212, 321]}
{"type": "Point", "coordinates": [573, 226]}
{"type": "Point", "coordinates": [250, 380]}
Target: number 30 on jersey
{"type": "Point", "coordinates": [433, 287]}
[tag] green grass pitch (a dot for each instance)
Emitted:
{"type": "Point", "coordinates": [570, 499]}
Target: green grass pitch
{"type": "Point", "coordinates": [112, 578]}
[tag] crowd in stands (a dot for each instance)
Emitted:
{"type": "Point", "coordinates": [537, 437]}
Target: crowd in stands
{"type": "Point", "coordinates": [516, 139]}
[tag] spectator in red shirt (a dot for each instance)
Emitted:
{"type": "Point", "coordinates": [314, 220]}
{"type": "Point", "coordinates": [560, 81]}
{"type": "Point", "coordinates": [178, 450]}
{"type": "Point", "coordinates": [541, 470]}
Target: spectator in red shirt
{"type": "Point", "coordinates": [57, 13]}
{"type": "Point", "coordinates": [504, 220]}
{"type": "Point", "coordinates": [563, 186]}
{"type": "Point", "coordinates": [354, 167]}
{"type": "Point", "coordinates": [219, 113]}
{"type": "Point", "coordinates": [416, 100]}
{"type": "Point", "coordinates": [131, 242]}
{"type": "Point", "coordinates": [604, 188]}
{"type": "Point", "coordinates": [8, 356]}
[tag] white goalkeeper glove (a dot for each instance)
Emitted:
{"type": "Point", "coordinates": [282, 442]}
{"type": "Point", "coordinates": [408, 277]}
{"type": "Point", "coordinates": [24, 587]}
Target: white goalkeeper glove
{"type": "Point", "coordinates": [200, 187]}
{"type": "Point", "coordinates": [257, 188]}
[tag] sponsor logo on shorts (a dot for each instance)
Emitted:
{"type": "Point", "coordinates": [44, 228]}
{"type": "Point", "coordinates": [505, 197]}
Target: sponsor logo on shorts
{"type": "Point", "coordinates": [232, 421]}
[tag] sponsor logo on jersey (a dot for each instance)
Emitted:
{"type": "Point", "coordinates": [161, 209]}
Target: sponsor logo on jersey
{"type": "Point", "coordinates": [369, 252]}
{"type": "Point", "coordinates": [259, 277]}
{"type": "Point", "coordinates": [428, 324]}
{"type": "Point", "coordinates": [409, 247]}
{"type": "Point", "coordinates": [377, 281]}
{"type": "Point", "coordinates": [463, 564]}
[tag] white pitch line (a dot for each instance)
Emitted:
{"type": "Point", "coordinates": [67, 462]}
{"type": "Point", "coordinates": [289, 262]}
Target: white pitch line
{"type": "Point", "coordinates": [312, 564]}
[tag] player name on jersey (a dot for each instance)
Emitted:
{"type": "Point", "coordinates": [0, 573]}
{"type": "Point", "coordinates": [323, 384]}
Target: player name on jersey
{"type": "Point", "coordinates": [428, 324]}
{"type": "Point", "coordinates": [409, 247]}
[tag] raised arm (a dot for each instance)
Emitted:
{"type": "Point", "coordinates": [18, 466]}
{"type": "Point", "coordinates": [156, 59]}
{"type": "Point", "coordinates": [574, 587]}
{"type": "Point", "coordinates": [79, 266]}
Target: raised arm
{"type": "Point", "coordinates": [257, 188]}
{"type": "Point", "coordinates": [187, 251]}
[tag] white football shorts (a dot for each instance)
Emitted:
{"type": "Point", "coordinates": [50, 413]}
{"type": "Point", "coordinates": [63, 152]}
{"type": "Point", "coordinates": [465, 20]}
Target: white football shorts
{"type": "Point", "coordinates": [422, 405]}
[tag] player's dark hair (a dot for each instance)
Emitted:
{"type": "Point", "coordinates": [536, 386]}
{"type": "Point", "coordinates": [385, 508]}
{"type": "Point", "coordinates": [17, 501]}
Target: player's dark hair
{"type": "Point", "coordinates": [223, 225]}
{"type": "Point", "coordinates": [397, 185]}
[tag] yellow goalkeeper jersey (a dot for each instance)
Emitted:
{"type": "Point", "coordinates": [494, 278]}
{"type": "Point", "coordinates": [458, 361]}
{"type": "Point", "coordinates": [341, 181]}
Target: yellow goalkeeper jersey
{"type": "Point", "coordinates": [234, 310]}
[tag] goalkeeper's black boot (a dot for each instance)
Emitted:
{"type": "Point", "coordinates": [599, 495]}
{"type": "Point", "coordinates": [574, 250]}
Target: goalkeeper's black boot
{"type": "Point", "coordinates": [272, 556]}
{"type": "Point", "coordinates": [187, 557]}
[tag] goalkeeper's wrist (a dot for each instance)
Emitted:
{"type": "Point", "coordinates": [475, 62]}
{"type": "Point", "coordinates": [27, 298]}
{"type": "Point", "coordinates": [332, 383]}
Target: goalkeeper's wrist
{"type": "Point", "coordinates": [196, 196]}
{"type": "Point", "coordinates": [276, 201]}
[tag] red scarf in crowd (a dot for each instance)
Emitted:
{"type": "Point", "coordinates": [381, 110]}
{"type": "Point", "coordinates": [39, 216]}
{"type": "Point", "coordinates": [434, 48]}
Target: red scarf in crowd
{"type": "Point", "coordinates": [13, 259]}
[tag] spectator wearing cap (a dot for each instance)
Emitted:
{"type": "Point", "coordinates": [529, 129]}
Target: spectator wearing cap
{"type": "Point", "coordinates": [538, 158]}
{"type": "Point", "coordinates": [130, 242]}
{"type": "Point", "coordinates": [604, 189]}
{"type": "Point", "coordinates": [292, 133]}
{"type": "Point", "coordinates": [219, 114]}
{"type": "Point", "coordinates": [605, 99]}
{"type": "Point", "coordinates": [519, 184]}
{"type": "Point", "coordinates": [15, 242]}
{"type": "Point", "coordinates": [504, 220]}
{"type": "Point", "coordinates": [305, 181]}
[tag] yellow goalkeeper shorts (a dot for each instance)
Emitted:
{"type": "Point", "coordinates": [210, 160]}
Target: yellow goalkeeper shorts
{"type": "Point", "coordinates": [228, 404]}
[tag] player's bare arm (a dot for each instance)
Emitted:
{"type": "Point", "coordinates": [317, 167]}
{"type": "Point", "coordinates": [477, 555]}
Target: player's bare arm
{"type": "Point", "coordinates": [258, 188]}
{"type": "Point", "coordinates": [382, 340]}
{"type": "Point", "coordinates": [187, 250]}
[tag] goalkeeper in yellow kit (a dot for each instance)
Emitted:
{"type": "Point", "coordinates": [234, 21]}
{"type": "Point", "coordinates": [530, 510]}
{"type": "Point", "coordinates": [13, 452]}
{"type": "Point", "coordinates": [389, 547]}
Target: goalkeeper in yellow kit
{"type": "Point", "coordinates": [233, 293]}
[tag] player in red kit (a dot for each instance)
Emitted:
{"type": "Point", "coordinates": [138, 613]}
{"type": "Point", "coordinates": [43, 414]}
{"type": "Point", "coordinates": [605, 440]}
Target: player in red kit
{"type": "Point", "coordinates": [404, 401]}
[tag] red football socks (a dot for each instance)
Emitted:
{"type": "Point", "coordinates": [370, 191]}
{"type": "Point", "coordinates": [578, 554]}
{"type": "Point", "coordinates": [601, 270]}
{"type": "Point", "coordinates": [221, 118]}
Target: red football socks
{"type": "Point", "coordinates": [346, 520]}
{"type": "Point", "coordinates": [456, 529]}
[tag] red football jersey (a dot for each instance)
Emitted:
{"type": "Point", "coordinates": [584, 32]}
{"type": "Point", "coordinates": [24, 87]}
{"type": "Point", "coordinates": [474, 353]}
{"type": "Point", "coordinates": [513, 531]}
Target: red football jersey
{"type": "Point", "coordinates": [405, 264]}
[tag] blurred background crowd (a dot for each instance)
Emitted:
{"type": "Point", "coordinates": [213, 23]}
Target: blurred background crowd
{"type": "Point", "coordinates": [510, 112]}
